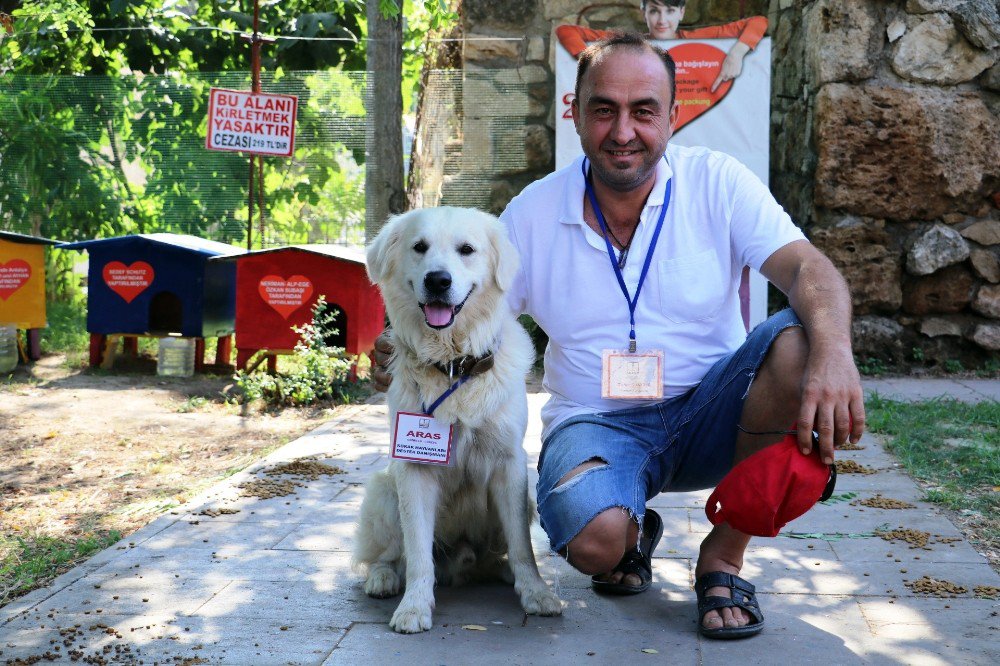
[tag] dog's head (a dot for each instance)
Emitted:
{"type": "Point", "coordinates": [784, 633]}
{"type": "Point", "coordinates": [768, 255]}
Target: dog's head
{"type": "Point", "coordinates": [442, 265]}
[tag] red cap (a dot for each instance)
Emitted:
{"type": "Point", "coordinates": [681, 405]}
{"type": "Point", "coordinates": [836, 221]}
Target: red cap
{"type": "Point", "coordinates": [772, 487]}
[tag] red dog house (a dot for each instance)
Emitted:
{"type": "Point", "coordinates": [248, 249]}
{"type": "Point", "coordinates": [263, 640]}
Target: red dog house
{"type": "Point", "coordinates": [277, 288]}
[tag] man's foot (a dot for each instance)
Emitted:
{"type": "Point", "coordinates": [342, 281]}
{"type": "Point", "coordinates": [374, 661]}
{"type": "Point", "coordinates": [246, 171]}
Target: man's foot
{"type": "Point", "coordinates": [722, 550]}
{"type": "Point", "coordinates": [634, 572]}
{"type": "Point", "coordinates": [739, 597]}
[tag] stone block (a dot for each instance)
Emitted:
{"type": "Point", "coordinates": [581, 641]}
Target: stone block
{"type": "Point", "coordinates": [946, 292]}
{"type": "Point", "coordinates": [903, 154]}
{"type": "Point", "coordinates": [938, 247]}
{"type": "Point", "coordinates": [985, 264]}
{"type": "Point", "coordinates": [487, 47]}
{"type": "Point", "coordinates": [979, 22]}
{"type": "Point", "coordinates": [984, 232]}
{"type": "Point", "coordinates": [844, 40]}
{"type": "Point", "coordinates": [929, 6]}
{"type": "Point", "coordinates": [987, 301]}
{"type": "Point", "coordinates": [991, 79]}
{"type": "Point", "coordinates": [537, 147]}
{"type": "Point", "coordinates": [510, 14]}
{"type": "Point", "coordinates": [862, 254]}
{"type": "Point", "coordinates": [987, 336]}
{"type": "Point", "coordinates": [876, 336]}
{"type": "Point", "coordinates": [934, 327]}
{"type": "Point", "coordinates": [933, 51]}
{"type": "Point", "coordinates": [536, 49]}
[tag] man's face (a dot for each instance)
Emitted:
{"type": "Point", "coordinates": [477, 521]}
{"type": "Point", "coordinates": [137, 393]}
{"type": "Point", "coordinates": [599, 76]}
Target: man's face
{"type": "Point", "coordinates": [624, 116]}
{"type": "Point", "coordinates": [661, 20]}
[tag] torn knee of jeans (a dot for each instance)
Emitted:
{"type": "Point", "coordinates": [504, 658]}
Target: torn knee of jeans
{"type": "Point", "coordinates": [573, 477]}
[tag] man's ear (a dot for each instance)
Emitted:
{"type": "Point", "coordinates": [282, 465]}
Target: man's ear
{"type": "Point", "coordinates": [574, 108]}
{"type": "Point", "coordinates": [381, 251]}
{"type": "Point", "coordinates": [675, 114]}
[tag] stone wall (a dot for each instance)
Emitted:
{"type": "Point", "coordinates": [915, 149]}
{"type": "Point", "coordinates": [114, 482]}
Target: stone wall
{"type": "Point", "coordinates": [885, 147]}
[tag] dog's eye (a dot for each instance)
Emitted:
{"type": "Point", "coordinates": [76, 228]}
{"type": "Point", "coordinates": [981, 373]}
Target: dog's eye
{"type": "Point", "coordinates": [420, 247]}
{"type": "Point", "coordinates": [466, 249]}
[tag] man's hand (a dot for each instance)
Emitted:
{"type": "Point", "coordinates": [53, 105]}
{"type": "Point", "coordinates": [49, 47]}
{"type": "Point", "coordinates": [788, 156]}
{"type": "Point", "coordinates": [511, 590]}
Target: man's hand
{"type": "Point", "coordinates": [384, 350]}
{"type": "Point", "coordinates": [732, 66]}
{"type": "Point", "coordinates": [832, 401]}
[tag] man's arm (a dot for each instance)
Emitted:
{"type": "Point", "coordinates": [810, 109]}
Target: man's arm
{"type": "Point", "coordinates": [832, 399]}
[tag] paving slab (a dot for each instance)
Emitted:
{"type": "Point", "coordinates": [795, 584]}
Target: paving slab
{"type": "Point", "coordinates": [270, 581]}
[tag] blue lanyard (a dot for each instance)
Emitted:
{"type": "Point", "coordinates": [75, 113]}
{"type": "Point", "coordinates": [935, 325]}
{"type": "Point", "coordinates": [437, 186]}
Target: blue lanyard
{"type": "Point", "coordinates": [452, 389]}
{"type": "Point", "coordinates": [611, 251]}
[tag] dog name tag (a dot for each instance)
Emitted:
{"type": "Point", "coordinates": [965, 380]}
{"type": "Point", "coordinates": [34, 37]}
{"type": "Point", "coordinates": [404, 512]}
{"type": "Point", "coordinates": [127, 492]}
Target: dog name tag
{"type": "Point", "coordinates": [421, 438]}
{"type": "Point", "coordinates": [631, 375]}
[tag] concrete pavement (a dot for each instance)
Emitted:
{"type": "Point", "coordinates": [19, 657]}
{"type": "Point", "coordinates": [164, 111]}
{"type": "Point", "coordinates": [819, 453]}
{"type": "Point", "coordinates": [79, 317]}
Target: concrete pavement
{"type": "Point", "coordinates": [269, 581]}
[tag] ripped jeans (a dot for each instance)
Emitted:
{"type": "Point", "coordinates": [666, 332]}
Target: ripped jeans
{"type": "Point", "coordinates": [683, 443]}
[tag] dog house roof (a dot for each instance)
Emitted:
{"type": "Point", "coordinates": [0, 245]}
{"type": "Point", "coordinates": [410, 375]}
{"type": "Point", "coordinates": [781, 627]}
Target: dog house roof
{"type": "Point", "coordinates": [193, 243]}
{"type": "Point", "coordinates": [343, 252]}
{"type": "Point", "coordinates": [24, 238]}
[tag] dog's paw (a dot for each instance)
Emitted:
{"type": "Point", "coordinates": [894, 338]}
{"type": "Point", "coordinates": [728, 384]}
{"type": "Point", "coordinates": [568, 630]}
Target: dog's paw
{"type": "Point", "coordinates": [541, 601]}
{"type": "Point", "coordinates": [411, 619]}
{"type": "Point", "coordinates": [382, 583]}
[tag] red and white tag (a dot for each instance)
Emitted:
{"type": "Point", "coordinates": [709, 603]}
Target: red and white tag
{"type": "Point", "coordinates": [421, 438]}
{"type": "Point", "coordinates": [631, 375]}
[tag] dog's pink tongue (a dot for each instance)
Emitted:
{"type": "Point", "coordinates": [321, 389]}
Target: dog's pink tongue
{"type": "Point", "coordinates": [437, 315]}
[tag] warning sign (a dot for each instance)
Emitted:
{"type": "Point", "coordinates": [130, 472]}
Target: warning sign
{"type": "Point", "coordinates": [249, 122]}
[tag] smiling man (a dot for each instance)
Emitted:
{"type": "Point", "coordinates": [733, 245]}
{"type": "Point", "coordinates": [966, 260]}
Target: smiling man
{"type": "Point", "coordinates": [631, 260]}
{"type": "Point", "coordinates": [663, 19]}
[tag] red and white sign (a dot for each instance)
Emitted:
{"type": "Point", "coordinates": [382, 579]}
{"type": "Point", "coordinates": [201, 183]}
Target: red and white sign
{"type": "Point", "coordinates": [285, 296]}
{"type": "Point", "coordinates": [258, 123]}
{"type": "Point", "coordinates": [128, 281]}
{"type": "Point", "coordinates": [13, 275]}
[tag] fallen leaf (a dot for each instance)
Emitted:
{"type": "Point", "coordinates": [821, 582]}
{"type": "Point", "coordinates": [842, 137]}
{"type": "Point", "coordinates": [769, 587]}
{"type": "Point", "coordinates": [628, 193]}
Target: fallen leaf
{"type": "Point", "coordinates": [474, 627]}
{"type": "Point", "coordinates": [650, 651]}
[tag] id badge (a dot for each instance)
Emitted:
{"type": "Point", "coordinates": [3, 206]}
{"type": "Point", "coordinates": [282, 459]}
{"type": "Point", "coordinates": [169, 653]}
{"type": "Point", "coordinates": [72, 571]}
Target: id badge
{"type": "Point", "coordinates": [631, 375]}
{"type": "Point", "coordinates": [421, 438]}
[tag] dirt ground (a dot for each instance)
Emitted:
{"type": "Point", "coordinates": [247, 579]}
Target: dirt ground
{"type": "Point", "coordinates": [84, 452]}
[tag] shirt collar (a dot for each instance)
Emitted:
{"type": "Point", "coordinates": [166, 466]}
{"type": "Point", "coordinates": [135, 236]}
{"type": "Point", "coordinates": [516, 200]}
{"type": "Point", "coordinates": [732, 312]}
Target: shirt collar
{"type": "Point", "coordinates": [575, 190]}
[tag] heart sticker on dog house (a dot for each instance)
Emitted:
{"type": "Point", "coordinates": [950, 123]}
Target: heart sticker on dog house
{"type": "Point", "coordinates": [698, 66]}
{"type": "Point", "coordinates": [128, 281]}
{"type": "Point", "coordinates": [13, 275]}
{"type": "Point", "coordinates": [285, 296]}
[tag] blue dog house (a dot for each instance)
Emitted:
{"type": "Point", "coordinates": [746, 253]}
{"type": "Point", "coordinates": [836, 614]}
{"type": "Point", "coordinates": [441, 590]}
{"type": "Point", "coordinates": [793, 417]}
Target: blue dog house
{"type": "Point", "coordinates": [154, 285]}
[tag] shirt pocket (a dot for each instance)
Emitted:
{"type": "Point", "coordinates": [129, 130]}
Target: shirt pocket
{"type": "Point", "coordinates": [692, 288]}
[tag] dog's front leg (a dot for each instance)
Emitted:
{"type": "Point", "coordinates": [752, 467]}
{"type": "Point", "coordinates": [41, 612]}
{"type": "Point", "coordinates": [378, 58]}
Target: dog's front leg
{"type": "Point", "coordinates": [509, 490]}
{"type": "Point", "coordinates": [418, 498]}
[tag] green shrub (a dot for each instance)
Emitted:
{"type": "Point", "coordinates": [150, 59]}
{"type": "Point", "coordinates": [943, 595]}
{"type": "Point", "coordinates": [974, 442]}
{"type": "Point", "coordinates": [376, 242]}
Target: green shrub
{"type": "Point", "coordinates": [317, 372]}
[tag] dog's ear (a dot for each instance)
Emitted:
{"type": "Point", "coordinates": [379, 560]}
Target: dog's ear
{"type": "Point", "coordinates": [381, 251]}
{"type": "Point", "coordinates": [505, 259]}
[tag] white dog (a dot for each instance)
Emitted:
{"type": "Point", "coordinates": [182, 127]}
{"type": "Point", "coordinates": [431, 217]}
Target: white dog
{"type": "Point", "coordinates": [443, 273]}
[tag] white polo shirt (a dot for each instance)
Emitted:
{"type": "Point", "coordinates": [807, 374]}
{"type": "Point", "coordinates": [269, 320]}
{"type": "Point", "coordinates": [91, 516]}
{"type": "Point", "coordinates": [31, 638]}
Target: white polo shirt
{"type": "Point", "coordinates": [720, 218]}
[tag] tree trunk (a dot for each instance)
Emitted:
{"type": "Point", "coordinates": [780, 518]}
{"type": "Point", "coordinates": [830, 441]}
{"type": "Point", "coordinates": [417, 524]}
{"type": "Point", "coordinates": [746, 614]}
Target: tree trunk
{"type": "Point", "coordinates": [384, 192]}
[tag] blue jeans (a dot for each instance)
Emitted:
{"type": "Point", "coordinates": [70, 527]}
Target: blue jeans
{"type": "Point", "coordinates": [683, 443]}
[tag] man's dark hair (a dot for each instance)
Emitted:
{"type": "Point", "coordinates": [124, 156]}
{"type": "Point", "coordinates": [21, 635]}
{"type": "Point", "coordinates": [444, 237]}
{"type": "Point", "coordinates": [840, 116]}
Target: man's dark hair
{"type": "Point", "coordinates": [624, 40]}
{"type": "Point", "coordinates": [665, 3]}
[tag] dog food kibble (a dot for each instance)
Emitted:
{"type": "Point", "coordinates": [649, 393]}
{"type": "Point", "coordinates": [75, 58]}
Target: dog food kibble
{"type": "Point", "coordinates": [304, 467]}
{"type": "Point", "coordinates": [268, 488]}
{"type": "Point", "coordinates": [915, 538]}
{"type": "Point", "coordinates": [934, 587]}
{"type": "Point", "coordinates": [849, 446]}
{"type": "Point", "coordinates": [879, 502]}
{"type": "Point", "coordinates": [214, 513]}
{"type": "Point", "coordinates": [851, 467]}
{"type": "Point", "coordinates": [986, 592]}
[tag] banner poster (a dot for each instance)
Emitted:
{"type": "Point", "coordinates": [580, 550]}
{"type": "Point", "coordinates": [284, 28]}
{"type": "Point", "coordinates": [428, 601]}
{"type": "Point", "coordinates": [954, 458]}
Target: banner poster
{"type": "Point", "coordinates": [735, 119]}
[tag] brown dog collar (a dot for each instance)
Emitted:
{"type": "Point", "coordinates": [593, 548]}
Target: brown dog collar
{"type": "Point", "coordinates": [467, 366]}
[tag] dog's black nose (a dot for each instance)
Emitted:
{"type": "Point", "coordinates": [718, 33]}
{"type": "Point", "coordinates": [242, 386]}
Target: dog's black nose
{"type": "Point", "coordinates": [437, 282]}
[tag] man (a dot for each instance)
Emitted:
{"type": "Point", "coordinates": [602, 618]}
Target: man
{"type": "Point", "coordinates": [644, 242]}
{"type": "Point", "coordinates": [663, 18]}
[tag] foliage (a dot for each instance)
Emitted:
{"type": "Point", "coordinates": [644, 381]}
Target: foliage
{"type": "Point", "coordinates": [67, 329]}
{"type": "Point", "coordinates": [320, 372]}
{"type": "Point", "coordinates": [30, 562]}
{"type": "Point", "coordinates": [954, 448]}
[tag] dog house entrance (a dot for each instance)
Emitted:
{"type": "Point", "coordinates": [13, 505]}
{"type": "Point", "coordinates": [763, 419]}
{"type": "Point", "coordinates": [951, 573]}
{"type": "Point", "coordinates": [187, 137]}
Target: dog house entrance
{"type": "Point", "coordinates": [166, 313]}
{"type": "Point", "coordinates": [336, 326]}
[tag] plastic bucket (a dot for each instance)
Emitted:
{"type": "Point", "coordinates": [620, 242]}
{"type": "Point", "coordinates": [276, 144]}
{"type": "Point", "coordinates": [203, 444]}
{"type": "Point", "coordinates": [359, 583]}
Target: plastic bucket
{"type": "Point", "coordinates": [175, 357]}
{"type": "Point", "coordinates": [8, 347]}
